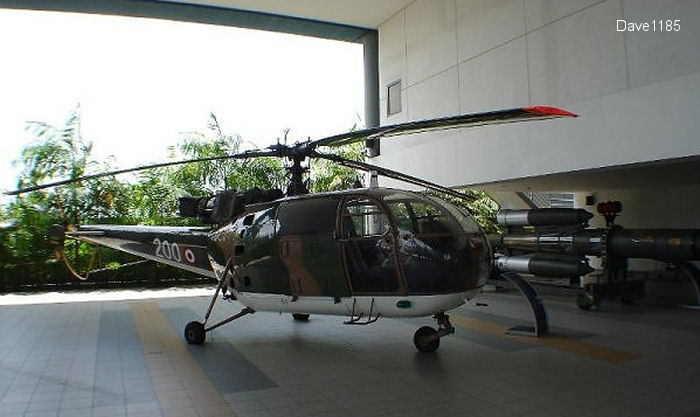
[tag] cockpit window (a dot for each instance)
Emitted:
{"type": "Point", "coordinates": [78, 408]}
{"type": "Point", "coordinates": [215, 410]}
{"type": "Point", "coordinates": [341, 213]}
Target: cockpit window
{"type": "Point", "coordinates": [421, 217]}
{"type": "Point", "coordinates": [467, 222]}
{"type": "Point", "coordinates": [362, 218]}
{"type": "Point", "coordinates": [265, 223]}
{"type": "Point", "coordinates": [307, 216]}
{"type": "Point", "coordinates": [368, 247]}
{"type": "Point", "coordinates": [439, 247]}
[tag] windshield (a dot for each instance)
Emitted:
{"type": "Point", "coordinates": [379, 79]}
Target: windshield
{"type": "Point", "coordinates": [440, 247]}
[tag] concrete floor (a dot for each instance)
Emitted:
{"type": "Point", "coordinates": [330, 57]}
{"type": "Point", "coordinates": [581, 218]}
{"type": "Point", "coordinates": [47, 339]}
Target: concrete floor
{"type": "Point", "coordinates": [127, 358]}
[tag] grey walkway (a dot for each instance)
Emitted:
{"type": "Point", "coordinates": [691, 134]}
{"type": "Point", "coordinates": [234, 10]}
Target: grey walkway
{"type": "Point", "coordinates": [127, 358]}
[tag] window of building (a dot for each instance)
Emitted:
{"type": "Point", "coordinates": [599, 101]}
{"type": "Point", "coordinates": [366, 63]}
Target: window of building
{"type": "Point", "coordinates": [394, 98]}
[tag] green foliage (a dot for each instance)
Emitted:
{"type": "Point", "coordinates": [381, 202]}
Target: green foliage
{"type": "Point", "coordinates": [63, 153]}
{"type": "Point", "coordinates": [201, 179]}
{"type": "Point", "coordinates": [56, 153]}
{"type": "Point", "coordinates": [482, 207]}
{"type": "Point", "coordinates": [329, 176]}
{"type": "Point", "coordinates": [23, 238]}
{"type": "Point", "coordinates": [150, 200]}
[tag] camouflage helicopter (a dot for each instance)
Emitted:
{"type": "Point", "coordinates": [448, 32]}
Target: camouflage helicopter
{"type": "Point", "coordinates": [361, 253]}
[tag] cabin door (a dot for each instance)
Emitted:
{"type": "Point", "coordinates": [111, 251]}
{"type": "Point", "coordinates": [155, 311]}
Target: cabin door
{"type": "Point", "coordinates": [308, 248]}
{"type": "Point", "coordinates": [368, 247]}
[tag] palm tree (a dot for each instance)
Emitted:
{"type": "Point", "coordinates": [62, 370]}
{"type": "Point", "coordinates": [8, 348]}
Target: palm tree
{"type": "Point", "coordinates": [63, 153]}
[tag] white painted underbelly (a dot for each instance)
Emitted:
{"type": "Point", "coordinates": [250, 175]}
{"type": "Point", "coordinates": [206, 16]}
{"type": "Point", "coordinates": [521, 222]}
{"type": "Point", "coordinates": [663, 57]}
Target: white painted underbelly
{"type": "Point", "coordinates": [386, 306]}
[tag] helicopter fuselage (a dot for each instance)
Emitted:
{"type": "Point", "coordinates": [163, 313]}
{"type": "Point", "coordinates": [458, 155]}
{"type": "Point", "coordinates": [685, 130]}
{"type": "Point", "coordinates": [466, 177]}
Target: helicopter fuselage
{"type": "Point", "coordinates": [368, 251]}
{"type": "Point", "coordinates": [374, 251]}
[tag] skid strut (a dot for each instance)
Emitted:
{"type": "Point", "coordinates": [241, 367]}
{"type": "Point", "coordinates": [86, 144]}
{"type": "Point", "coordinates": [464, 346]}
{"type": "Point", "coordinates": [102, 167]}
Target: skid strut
{"type": "Point", "coordinates": [243, 312]}
{"type": "Point", "coordinates": [195, 331]}
{"type": "Point", "coordinates": [356, 319]}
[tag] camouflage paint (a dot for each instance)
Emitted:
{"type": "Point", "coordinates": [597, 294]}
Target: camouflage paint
{"type": "Point", "coordinates": [293, 246]}
{"type": "Point", "coordinates": [181, 247]}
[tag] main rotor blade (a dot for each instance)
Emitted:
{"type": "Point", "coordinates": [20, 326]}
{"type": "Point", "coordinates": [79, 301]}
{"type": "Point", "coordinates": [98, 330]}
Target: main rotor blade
{"type": "Point", "coordinates": [392, 174]}
{"type": "Point", "coordinates": [444, 123]}
{"type": "Point", "coordinates": [242, 155]}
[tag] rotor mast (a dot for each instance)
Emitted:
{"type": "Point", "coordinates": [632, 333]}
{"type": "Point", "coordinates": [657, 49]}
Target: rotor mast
{"type": "Point", "coordinates": [297, 185]}
{"type": "Point", "coordinates": [296, 153]}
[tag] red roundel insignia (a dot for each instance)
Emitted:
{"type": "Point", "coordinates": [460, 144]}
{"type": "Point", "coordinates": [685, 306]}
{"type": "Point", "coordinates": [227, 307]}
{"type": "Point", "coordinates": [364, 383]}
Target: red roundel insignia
{"type": "Point", "coordinates": [189, 256]}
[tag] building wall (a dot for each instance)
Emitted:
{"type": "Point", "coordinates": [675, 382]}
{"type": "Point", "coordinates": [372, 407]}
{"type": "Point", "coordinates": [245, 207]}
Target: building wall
{"type": "Point", "coordinates": [636, 93]}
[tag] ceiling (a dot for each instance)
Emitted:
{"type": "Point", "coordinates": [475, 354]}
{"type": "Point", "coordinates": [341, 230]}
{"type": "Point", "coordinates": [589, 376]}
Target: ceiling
{"type": "Point", "coordinates": [362, 13]}
{"type": "Point", "coordinates": [657, 174]}
{"type": "Point", "coordinates": [342, 20]}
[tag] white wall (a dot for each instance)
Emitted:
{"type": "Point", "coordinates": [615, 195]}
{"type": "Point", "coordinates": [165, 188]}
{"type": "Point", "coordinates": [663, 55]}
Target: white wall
{"type": "Point", "coordinates": [649, 208]}
{"type": "Point", "coordinates": [638, 94]}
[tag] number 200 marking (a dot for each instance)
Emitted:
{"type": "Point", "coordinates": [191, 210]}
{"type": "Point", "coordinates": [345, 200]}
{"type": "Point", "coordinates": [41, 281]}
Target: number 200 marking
{"type": "Point", "coordinates": [167, 250]}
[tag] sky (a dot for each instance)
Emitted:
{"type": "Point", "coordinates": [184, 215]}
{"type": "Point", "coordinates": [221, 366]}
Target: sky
{"type": "Point", "coordinates": [141, 83]}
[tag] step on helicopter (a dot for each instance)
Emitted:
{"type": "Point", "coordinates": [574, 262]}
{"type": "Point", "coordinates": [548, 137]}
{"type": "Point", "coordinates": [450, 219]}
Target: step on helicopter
{"type": "Point", "coordinates": [363, 253]}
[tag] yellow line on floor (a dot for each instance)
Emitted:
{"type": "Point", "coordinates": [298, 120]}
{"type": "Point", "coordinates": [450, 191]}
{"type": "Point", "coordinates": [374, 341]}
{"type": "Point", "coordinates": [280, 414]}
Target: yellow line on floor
{"type": "Point", "coordinates": [181, 386]}
{"type": "Point", "coordinates": [574, 346]}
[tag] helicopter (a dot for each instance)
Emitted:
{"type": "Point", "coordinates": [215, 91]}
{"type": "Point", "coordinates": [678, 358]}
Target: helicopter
{"type": "Point", "coordinates": [362, 253]}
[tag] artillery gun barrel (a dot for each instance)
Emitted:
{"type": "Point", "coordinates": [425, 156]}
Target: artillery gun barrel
{"type": "Point", "coordinates": [662, 244]}
{"type": "Point", "coordinates": [545, 264]}
{"type": "Point", "coordinates": [543, 217]}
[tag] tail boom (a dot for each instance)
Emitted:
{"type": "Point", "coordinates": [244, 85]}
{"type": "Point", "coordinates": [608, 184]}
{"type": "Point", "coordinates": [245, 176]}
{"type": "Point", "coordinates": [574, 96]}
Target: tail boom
{"type": "Point", "coordinates": [181, 247]}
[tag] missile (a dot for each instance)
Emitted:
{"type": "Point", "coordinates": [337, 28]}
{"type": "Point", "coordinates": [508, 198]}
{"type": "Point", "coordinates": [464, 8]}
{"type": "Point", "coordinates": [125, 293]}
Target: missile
{"type": "Point", "coordinates": [661, 244]}
{"type": "Point", "coordinates": [545, 264]}
{"type": "Point", "coordinates": [543, 217]}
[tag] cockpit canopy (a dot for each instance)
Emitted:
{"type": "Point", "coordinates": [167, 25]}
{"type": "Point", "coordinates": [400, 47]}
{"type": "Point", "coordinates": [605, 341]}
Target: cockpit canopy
{"type": "Point", "coordinates": [439, 248]}
{"type": "Point", "coordinates": [389, 241]}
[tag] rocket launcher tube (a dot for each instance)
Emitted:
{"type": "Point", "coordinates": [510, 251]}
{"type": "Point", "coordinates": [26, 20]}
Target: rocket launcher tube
{"type": "Point", "coordinates": [661, 244]}
{"type": "Point", "coordinates": [583, 242]}
{"type": "Point", "coordinates": [543, 217]}
{"type": "Point", "coordinates": [545, 265]}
